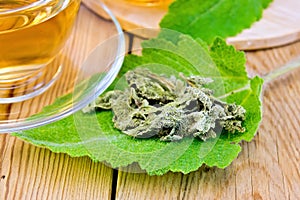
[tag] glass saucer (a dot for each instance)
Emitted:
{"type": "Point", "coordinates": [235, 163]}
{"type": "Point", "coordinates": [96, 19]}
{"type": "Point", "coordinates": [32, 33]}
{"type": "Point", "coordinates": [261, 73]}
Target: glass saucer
{"type": "Point", "coordinates": [87, 65]}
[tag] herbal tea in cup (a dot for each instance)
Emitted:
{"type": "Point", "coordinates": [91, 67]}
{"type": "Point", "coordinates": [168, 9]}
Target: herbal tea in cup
{"type": "Point", "coordinates": [32, 33]}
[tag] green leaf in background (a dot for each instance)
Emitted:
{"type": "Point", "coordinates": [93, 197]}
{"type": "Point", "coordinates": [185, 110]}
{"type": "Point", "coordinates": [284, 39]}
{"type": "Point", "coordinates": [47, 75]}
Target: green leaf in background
{"type": "Point", "coordinates": [94, 135]}
{"type": "Point", "coordinates": [207, 19]}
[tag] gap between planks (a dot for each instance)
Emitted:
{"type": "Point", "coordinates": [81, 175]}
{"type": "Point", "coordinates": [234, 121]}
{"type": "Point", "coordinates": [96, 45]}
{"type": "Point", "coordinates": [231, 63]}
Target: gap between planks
{"type": "Point", "coordinates": [267, 167]}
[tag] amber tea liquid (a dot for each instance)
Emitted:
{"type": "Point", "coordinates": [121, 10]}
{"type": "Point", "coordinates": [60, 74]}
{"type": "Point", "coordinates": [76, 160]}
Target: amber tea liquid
{"type": "Point", "coordinates": [32, 32]}
{"type": "Point", "coordinates": [158, 3]}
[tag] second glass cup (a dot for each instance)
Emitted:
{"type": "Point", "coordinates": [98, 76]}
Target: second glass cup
{"type": "Point", "coordinates": [161, 3]}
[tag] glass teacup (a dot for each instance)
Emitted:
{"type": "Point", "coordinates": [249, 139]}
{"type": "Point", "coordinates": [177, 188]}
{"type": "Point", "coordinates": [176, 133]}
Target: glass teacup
{"type": "Point", "coordinates": [32, 33]}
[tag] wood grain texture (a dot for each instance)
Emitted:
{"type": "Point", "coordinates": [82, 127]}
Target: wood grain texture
{"type": "Point", "coordinates": [278, 26]}
{"type": "Point", "coordinates": [28, 172]}
{"type": "Point", "coordinates": [267, 167]}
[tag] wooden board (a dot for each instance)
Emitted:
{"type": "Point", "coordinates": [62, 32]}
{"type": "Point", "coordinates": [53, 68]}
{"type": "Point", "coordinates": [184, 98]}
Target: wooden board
{"type": "Point", "coordinates": [28, 172]}
{"type": "Point", "coordinates": [279, 25]}
{"type": "Point", "coordinates": [266, 168]}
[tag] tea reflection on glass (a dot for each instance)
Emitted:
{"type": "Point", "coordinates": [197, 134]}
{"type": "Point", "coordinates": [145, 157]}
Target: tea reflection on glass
{"type": "Point", "coordinates": [149, 2]}
{"type": "Point", "coordinates": [32, 33]}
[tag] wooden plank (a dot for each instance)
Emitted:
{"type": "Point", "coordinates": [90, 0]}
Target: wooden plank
{"type": "Point", "coordinates": [278, 26]}
{"type": "Point", "coordinates": [267, 167]}
{"type": "Point", "coordinates": [29, 172]}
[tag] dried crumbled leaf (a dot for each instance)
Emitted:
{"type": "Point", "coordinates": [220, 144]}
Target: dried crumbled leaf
{"type": "Point", "coordinates": [170, 108]}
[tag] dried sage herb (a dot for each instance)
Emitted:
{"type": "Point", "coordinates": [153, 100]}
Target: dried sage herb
{"type": "Point", "coordinates": [170, 108]}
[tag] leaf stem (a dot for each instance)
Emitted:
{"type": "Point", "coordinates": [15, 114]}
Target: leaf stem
{"type": "Point", "coordinates": [283, 70]}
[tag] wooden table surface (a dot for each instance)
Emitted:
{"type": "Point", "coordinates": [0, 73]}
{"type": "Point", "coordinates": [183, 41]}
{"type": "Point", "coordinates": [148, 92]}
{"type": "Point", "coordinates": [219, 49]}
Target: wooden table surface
{"type": "Point", "coordinates": [267, 167]}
